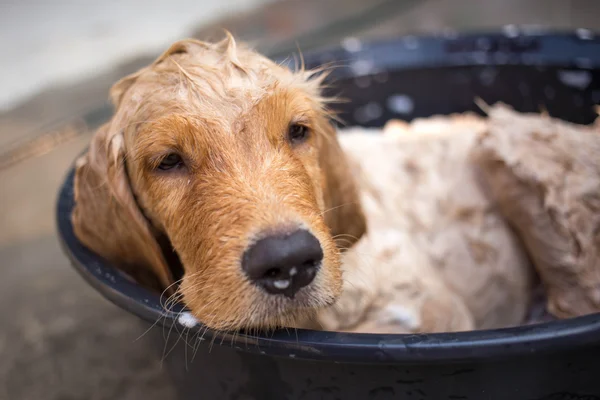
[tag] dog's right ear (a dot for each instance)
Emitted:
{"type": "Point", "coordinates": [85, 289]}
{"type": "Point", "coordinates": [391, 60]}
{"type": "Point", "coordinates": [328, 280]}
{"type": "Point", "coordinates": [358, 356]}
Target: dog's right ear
{"type": "Point", "coordinates": [106, 217]}
{"type": "Point", "coordinates": [343, 210]}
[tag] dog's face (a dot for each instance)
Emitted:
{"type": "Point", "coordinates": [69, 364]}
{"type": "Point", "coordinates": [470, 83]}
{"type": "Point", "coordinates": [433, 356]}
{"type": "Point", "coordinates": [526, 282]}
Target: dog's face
{"type": "Point", "coordinates": [233, 159]}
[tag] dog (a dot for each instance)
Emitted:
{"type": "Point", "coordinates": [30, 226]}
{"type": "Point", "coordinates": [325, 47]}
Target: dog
{"type": "Point", "coordinates": [220, 180]}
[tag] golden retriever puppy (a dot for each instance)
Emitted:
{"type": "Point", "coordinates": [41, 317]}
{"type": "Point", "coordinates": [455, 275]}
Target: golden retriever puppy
{"type": "Point", "coordinates": [225, 163]}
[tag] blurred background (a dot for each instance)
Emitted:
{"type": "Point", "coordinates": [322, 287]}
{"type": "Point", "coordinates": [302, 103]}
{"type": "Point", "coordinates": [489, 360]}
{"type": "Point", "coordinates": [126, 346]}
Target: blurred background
{"type": "Point", "coordinates": [58, 338]}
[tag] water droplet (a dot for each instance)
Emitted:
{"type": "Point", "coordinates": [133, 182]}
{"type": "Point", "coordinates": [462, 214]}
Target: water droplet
{"type": "Point", "coordinates": [584, 34]}
{"type": "Point", "coordinates": [400, 104]}
{"type": "Point", "coordinates": [576, 79]}
{"type": "Point", "coordinates": [362, 67]}
{"type": "Point", "coordinates": [511, 31]}
{"type": "Point", "coordinates": [351, 44]}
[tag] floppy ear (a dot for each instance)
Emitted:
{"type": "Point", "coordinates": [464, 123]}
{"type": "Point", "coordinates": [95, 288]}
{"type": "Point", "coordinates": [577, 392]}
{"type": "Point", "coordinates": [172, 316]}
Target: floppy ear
{"type": "Point", "coordinates": [343, 210]}
{"type": "Point", "coordinates": [118, 90]}
{"type": "Point", "coordinates": [106, 217]}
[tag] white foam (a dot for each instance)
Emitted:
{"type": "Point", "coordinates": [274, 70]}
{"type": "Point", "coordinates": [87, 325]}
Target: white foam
{"type": "Point", "coordinates": [401, 315]}
{"type": "Point", "coordinates": [281, 284]}
{"type": "Point", "coordinates": [187, 319]}
{"type": "Point", "coordinates": [351, 44]}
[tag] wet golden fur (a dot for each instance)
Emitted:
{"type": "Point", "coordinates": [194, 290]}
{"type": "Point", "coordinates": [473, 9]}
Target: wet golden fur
{"type": "Point", "coordinates": [225, 110]}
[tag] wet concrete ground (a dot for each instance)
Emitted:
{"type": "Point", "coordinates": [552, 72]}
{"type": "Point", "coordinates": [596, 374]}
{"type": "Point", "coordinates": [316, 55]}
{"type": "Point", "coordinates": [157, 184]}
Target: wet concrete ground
{"type": "Point", "coordinates": [59, 339]}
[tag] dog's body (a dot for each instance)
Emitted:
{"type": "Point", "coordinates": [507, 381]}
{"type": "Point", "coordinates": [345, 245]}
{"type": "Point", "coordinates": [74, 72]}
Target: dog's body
{"type": "Point", "coordinates": [439, 256]}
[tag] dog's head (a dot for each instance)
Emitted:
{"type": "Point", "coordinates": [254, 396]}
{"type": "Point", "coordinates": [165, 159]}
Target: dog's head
{"type": "Point", "coordinates": [223, 160]}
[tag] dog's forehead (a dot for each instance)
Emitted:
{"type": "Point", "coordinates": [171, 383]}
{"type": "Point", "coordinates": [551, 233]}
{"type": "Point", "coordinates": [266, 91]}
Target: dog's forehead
{"type": "Point", "coordinates": [225, 102]}
{"type": "Point", "coordinates": [216, 72]}
{"type": "Point", "coordinates": [210, 84]}
{"type": "Point", "coordinates": [213, 83]}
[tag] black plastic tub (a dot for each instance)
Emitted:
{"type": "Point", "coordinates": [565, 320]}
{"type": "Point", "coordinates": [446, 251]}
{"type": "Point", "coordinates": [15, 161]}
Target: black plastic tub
{"type": "Point", "coordinates": [403, 78]}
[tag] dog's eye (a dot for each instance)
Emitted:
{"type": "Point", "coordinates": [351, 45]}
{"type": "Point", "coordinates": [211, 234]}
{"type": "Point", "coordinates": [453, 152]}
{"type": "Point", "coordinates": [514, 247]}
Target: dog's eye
{"type": "Point", "coordinates": [171, 161]}
{"type": "Point", "coordinates": [297, 133]}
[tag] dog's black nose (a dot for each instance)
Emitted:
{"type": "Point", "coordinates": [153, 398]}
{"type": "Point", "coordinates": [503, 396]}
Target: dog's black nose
{"type": "Point", "coordinates": [283, 264]}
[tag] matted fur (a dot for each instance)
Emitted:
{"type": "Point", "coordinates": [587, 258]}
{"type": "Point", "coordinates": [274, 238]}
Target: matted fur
{"type": "Point", "coordinates": [225, 110]}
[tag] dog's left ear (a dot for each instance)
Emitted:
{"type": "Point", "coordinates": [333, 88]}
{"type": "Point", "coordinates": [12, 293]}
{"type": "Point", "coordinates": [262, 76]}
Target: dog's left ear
{"type": "Point", "coordinates": [343, 211]}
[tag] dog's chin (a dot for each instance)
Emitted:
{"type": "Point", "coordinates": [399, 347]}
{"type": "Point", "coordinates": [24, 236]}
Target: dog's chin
{"type": "Point", "coordinates": [282, 312]}
{"type": "Point", "coordinates": [270, 312]}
